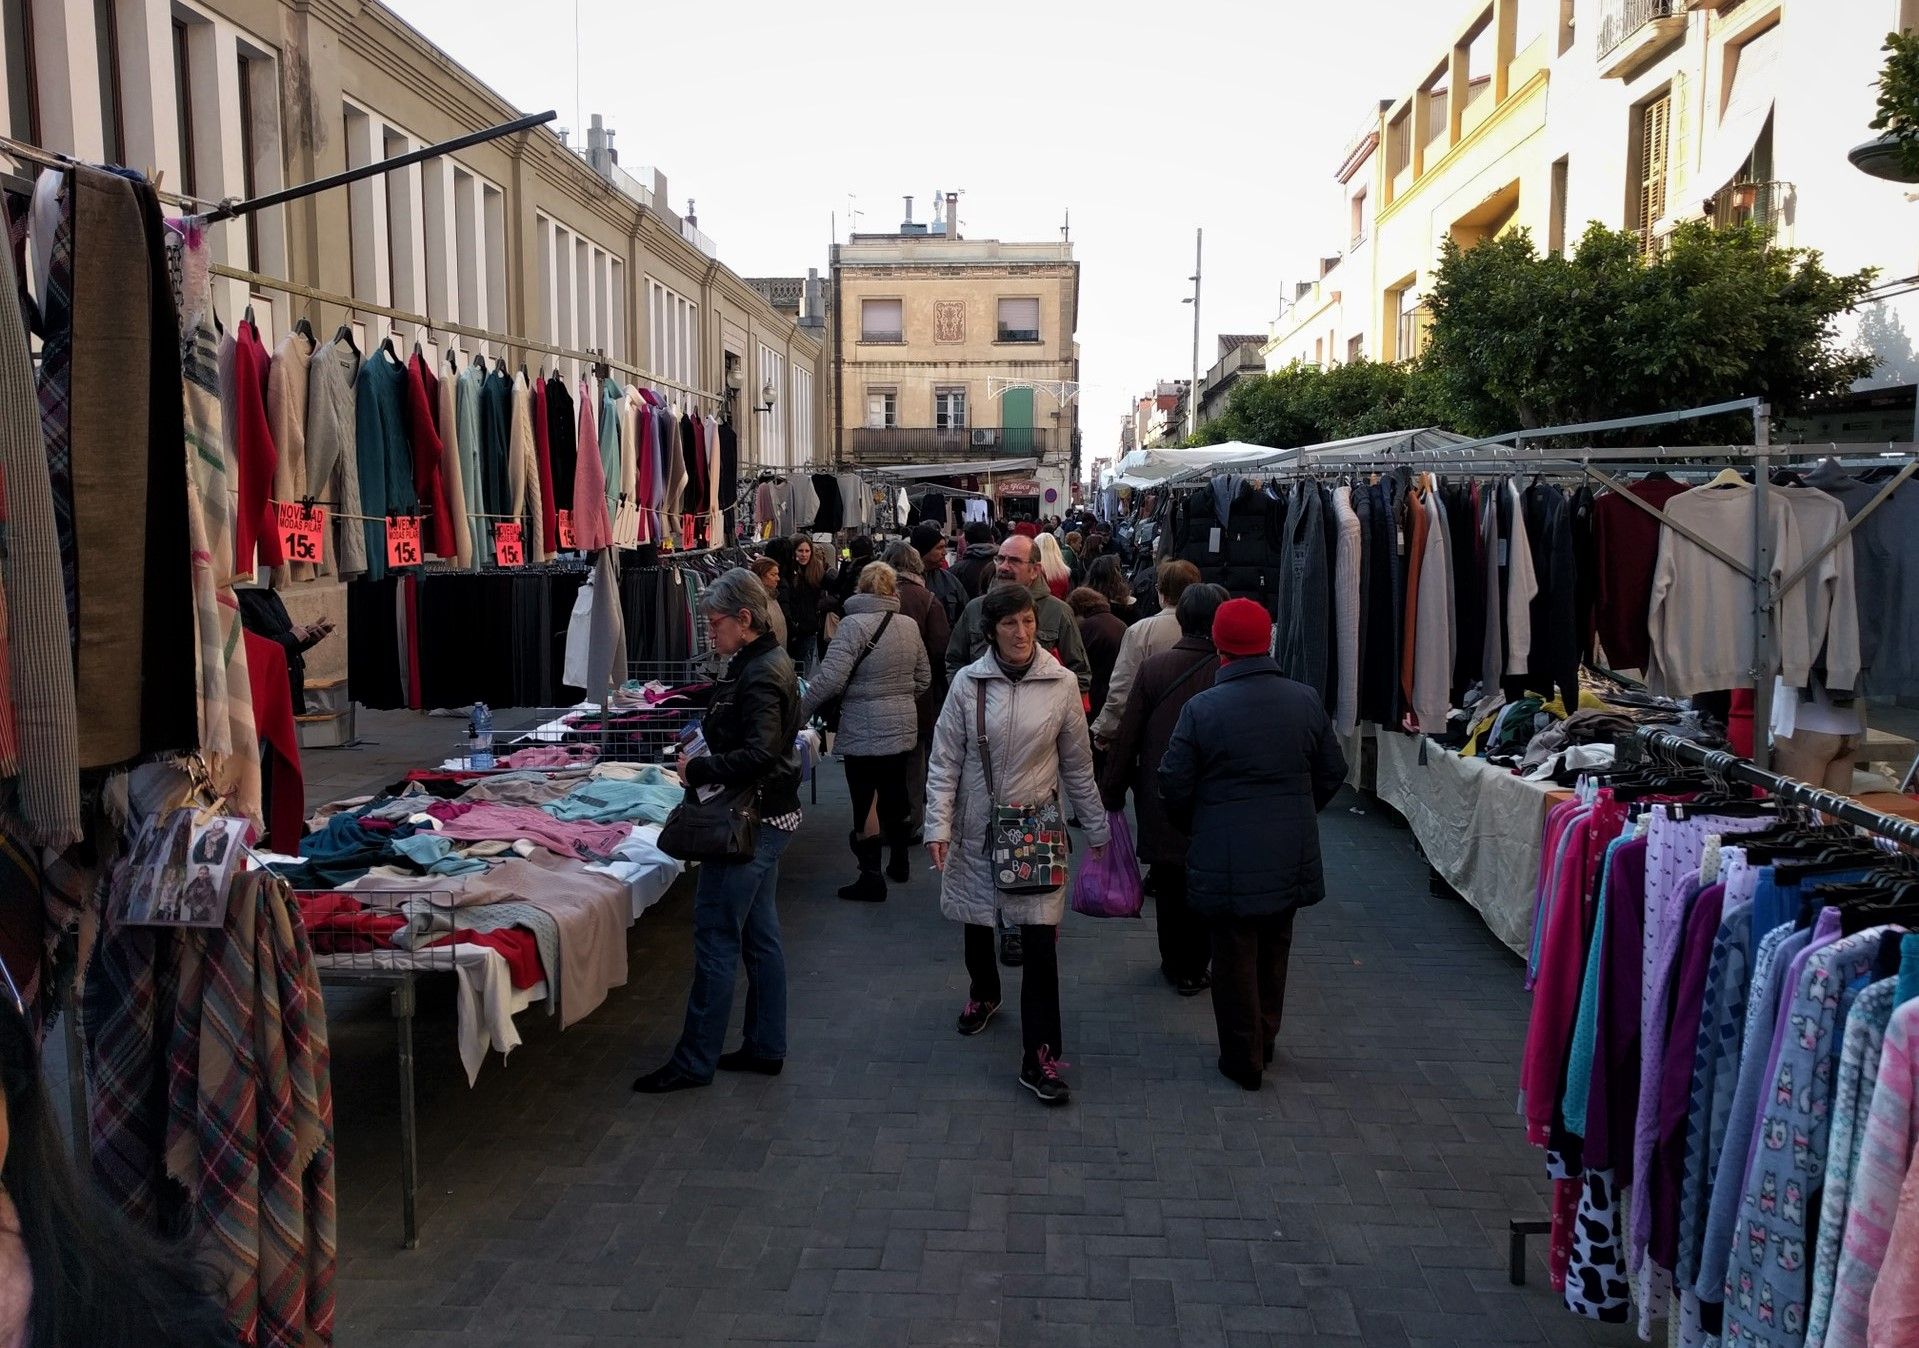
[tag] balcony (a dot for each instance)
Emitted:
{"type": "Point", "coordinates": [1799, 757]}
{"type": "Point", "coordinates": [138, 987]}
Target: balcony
{"type": "Point", "coordinates": [1632, 32]}
{"type": "Point", "coordinates": [925, 444]}
{"type": "Point", "coordinates": [1762, 204]}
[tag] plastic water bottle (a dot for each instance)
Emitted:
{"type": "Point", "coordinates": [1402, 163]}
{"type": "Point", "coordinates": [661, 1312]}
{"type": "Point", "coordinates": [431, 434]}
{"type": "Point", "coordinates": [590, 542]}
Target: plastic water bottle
{"type": "Point", "coordinates": [482, 735]}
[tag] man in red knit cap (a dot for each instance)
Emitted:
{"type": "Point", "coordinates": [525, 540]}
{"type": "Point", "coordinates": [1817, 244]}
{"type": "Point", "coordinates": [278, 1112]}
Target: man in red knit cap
{"type": "Point", "coordinates": [1251, 764]}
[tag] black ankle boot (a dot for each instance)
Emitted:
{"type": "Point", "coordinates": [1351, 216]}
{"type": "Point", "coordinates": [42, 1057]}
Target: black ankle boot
{"type": "Point", "coordinates": [870, 887]}
{"type": "Point", "coordinates": [900, 869]}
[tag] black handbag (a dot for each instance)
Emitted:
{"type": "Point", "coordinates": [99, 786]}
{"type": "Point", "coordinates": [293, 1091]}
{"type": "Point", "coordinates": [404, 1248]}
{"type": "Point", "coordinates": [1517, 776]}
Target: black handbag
{"type": "Point", "coordinates": [829, 710]}
{"type": "Point", "coordinates": [723, 828]}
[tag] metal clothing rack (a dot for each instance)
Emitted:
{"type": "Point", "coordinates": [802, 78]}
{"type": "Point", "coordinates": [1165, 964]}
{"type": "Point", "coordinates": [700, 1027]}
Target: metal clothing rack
{"type": "Point", "coordinates": [1492, 455]}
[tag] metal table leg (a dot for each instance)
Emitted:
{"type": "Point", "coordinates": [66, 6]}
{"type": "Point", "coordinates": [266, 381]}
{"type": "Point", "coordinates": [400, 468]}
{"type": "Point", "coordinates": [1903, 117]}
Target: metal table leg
{"type": "Point", "coordinates": [403, 1005]}
{"type": "Point", "coordinates": [1517, 1231]}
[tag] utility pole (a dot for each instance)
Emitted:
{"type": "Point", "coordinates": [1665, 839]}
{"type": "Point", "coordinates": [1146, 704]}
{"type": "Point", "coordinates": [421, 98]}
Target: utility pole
{"type": "Point", "coordinates": [1192, 392]}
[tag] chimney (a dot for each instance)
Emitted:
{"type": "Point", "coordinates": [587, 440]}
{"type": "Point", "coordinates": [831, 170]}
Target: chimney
{"type": "Point", "coordinates": [952, 215]}
{"type": "Point", "coordinates": [597, 139]}
{"type": "Point", "coordinates": [810, 301]}
{"type": "Point", "coordinates": [692, 214]}
{"type": "Point", "coordinates": [906, 226]}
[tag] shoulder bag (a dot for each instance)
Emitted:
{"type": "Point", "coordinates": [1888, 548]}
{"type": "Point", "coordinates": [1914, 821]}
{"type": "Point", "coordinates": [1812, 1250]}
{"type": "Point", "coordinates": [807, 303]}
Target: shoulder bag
{"type": "Point", "coordinates": [1026, 844]}
{"type": "Point", "coordinates": [829, 711]}
{"type": "Point", "coordinates": [724, 828]}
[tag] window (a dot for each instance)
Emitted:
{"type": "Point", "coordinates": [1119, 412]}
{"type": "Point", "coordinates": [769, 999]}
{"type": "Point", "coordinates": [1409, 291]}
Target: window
{"type": "Point", "coordinates": [113, 120]}
{"type": "Point", "coordinates": [673, 328]}
{"type": "Point", "coordinates": [772, 421]}
{"type": "Point", "coordinates": [949, 409]}
{"type": "Point", "coordinates": [1357, 211]}
{"type": "Point", "coordinates": [23, 95]}
{"type": "Point", "coordinates": [1399, 144]}
{"type": "Point", "coordinates": [882, 321]}
{"type": "Point", "coordinates": [1319, 350]}
{"type": "Point", "coordinates": [802, 418]}
{"type": "Point", "coordinates": [1566, 34]}
{"type": "Point", "coordinates": [183, 105]}
{"type": "Point", "coordinates": [1019, 319]}
{"type": "Point", "coordinates": [1556, 222]}
{"type": "Point", "coordinates": [249, 185]}
{"type": "Point", "coordinates": [1652, 124]}
{"type": "Point", "coordinates": [1355, 348]}
{"type": "Point", "coordinates": [578, 306]}
{"type": "Point", "coordinates": [882, 408]}
{"type": "Point", "coordinates": [1411, 319]}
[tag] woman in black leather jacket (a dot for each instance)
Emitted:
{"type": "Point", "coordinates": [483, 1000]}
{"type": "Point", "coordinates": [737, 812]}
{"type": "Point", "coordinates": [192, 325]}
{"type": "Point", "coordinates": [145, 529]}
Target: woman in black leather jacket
{"type": "Point", "coordinates": [749, 732]}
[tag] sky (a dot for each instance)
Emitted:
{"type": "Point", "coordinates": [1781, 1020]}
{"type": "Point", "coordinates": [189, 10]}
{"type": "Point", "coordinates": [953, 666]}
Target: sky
{"type": "Point", "coordinates": [1142, 121]}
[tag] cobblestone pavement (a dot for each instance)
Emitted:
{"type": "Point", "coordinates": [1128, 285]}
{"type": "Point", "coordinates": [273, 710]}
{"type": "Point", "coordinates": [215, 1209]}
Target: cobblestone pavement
{"type": "Point", "coordinates": [895, 1186]}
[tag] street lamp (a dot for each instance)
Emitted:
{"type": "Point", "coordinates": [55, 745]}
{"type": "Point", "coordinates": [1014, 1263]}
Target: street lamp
{"type": "Point", "coordinates": [1192, 390]}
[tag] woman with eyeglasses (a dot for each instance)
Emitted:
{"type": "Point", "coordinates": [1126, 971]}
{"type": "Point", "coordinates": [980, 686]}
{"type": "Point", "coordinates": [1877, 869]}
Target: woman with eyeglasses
{"type": "Point", "coordinates": [73, 1271]}
{"type": "Point", "coordinates": [749, 731]}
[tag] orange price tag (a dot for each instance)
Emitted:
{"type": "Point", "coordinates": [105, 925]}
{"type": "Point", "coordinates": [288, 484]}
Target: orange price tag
{"type": "Point", "coordinates": [402, 540]}
{"type": "Point", "coordinates": [566, 528]}
{"type": "Point", "coordinates": [508, 550]}
{"type": "Point", "coordinates": [302, 530]}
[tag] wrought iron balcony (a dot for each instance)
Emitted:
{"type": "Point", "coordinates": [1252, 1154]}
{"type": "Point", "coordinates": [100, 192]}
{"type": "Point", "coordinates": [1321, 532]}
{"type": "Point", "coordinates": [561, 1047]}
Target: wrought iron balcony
{"type": "Point", "coordinates": [1630, 31]}
{"type": "Point", "coordinates": [927, 444]}
{"type": "Point", "coordinates": [1762, 204]}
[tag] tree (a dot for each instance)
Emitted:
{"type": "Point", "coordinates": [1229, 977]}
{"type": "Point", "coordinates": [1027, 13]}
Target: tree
{"type": "Point", "coordinates": [1898, 114]}
{"type": "Point", "coordinates": [1305, 405]}
{"type": "Point", "coordinates": [1520, 340]}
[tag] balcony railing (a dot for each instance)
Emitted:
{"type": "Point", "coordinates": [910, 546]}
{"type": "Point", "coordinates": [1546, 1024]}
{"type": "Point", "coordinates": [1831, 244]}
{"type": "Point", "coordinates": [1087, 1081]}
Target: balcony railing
{"type": "Point", "coordinates": [1762, 204]}
{"type": "Point", "coordinates": [1629, 27]}
{"type": "Point", "coordinates": [876, 337]}
{"type": "Point", "coordinates": [1007, 334]}
{"type": "Point", "coordinates": [926, 444]}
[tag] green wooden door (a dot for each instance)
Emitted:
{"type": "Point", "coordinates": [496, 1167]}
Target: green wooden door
{"type": "Point", "coordinates": [1016, 419]}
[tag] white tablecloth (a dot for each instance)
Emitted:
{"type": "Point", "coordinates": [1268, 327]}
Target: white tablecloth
{"type": "Point", "coordinates": [1478, 825]}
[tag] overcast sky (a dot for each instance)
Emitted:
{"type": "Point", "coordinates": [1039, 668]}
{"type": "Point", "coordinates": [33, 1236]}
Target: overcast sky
{"type": "Point", "coordinates": [1143, 120]}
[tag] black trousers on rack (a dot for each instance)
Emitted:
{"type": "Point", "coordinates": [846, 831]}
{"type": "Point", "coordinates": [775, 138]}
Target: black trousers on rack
{"type": "Point", "coordinates": [1039, 1021]}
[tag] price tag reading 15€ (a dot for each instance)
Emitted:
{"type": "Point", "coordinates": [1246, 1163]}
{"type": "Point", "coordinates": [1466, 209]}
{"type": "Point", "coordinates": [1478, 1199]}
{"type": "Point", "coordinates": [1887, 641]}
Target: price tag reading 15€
{"type": "Point", "coordinates": [402, 540]}
{"type": "Point", "coordinates": [302, 530]}
{"type": "Point", "coordinates": [508, 550]}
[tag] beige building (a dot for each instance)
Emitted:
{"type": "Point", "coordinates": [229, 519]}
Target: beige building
{"type": "Point", "coordinates": [959, 352]}
{"type": "Point", "coordinates": [526, 236]}
{"type": "Point", "coordinates": [1639, 114]}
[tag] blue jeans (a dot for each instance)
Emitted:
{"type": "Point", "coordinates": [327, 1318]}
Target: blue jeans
{"type": "Point", "coordinates": [733, 920]}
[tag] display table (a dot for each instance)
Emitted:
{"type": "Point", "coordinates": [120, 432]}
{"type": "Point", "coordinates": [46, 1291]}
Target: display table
{"type": "Point", "coordinates": [1478, 825]}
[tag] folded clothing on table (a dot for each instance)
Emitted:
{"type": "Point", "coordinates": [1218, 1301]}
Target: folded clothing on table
{"type": "Point", "coordinates": [340, 925]}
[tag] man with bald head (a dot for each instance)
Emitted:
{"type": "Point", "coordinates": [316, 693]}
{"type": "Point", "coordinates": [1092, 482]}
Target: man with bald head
{"type": "Point", "coordinates": [1018, 562]}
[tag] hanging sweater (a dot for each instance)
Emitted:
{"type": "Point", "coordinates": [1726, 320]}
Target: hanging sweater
{"type": "Point", "coordinates": [1346, 611]}
{"type": "Point", "coordinates": [496, 448]}
{"type": "Point", "coordinates": [286, 419]}
{"type": "Point", "coordinates": [1699, 618]}
{"type": "Point", "coordinates": [471, 382]}
{"type": "Point", "coordinates": [429, 485]}
{"type": "Point", "coordinates": [333, 466]}
{"type": "Point", "coordinates": [254, 533]}
{"type": "Point", "coordinates": [1825, 603]}
{"type": "Point", "coordinates": [385, 467]}
{"type": "Point", "coordinates": [454, 469]}
{"type": "Point", "coordinates": [543, 458]}
{"type": "Point", "coordinates": [591, 527]}
{"type": "Point", "coordinates": [562, 431]}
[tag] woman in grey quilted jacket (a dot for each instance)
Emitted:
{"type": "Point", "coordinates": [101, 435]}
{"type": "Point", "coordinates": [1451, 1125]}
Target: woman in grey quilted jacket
{"type": "Point", "coordinates": [877, 668]}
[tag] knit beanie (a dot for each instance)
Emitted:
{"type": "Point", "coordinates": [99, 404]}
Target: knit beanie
{"type": "Point", "coordinates": [926, 537]}
{"type": "Point", "coordinates": [1242, 627]}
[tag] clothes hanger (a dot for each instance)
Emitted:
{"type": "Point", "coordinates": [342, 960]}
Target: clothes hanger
{"type": "Point", "coordinates": [1728, 477]}
{"type": "Point", "coordinates": [305, 329]}
{"type": "Point", "coordinates": [345, 334]}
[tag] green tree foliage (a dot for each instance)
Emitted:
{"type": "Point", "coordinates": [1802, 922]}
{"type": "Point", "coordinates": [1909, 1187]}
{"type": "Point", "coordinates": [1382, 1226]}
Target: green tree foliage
{"type": "Point", "coordinates": [1520, 340]}
{"type": "Point", "coordinates": [1899, 97]}
{"type": "Point", "coordinates": [1305, 405]}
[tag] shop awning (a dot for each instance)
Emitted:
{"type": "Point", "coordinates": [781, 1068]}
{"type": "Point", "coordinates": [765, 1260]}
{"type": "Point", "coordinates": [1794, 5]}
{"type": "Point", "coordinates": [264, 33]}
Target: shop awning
{"type": "Point", "coordinates": [1755, 83]}
{"type": "Point", "coordinates": [972, 468]}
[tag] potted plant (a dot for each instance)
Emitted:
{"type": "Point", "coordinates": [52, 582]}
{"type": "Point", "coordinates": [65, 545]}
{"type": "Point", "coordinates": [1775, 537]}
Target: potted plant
{"type": "Point", "coordinates": [1895, 155]}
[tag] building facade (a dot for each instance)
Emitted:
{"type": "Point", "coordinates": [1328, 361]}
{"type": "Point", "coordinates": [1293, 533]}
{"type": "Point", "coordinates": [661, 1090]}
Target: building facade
{"type": "Point", "coordinates": [962, 351]}
{"type": "Point", "coordinates": [524, 236]}
{"type": "Point", "coordinates": [1638, 114]}
{"type": "Point", "coordinates": [1239, 358]}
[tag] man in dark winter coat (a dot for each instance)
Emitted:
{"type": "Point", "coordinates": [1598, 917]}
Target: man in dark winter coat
{"type": "Point", "coordinates": [1252, 762]}
{"type": "Point", "coordinates": [1165, 683]}
{"type": "Point", "coordinates": [946, 586]}
{"type": "Point", "coordinates": [975, 567]}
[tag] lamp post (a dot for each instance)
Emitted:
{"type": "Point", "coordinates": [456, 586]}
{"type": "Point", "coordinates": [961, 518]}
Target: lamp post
{"type": "Point", "coordinates": [1192, 391]}
{"type": "Point", "coordinates": [1880, 159]}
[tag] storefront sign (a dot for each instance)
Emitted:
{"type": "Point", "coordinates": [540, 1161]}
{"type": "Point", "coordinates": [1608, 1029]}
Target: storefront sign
{"type": "Point", "coordinates": [1019, 487]}
{"type": "Point", "coordinates": [508, 550]}
{"type": "Point", "coordinates": [565, 520]}
{"type": "Point", "coordinates": [302, 530]}
{"type": "Point", "coordinates": [402, 540]}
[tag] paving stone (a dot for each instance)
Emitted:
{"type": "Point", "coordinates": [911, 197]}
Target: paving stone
{"type": "Point", "coordinates": [895, 1187]}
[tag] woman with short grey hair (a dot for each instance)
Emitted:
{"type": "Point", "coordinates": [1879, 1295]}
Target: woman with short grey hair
{"type": "Point", "coordinates": [749, 730]}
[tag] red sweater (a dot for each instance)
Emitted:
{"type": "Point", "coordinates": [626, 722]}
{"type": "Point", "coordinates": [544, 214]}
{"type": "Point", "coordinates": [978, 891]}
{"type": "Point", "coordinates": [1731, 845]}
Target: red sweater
{"type": "Point", "coordinates": [253, 443]}
{"type": "Point", "coordinates": [423, 438]}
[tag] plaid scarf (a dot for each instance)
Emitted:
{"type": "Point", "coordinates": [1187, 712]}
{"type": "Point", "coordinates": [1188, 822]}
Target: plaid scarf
{"type": "Point", "coordinates": [56, 390]}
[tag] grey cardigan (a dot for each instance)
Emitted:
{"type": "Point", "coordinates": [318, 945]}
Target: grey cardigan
{"type": "Point", "coordinates": [878, 713]}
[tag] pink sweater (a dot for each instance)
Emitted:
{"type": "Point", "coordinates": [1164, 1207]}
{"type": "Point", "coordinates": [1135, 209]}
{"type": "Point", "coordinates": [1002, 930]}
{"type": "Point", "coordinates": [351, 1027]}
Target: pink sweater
{"type": "Point", "coordinates": [508, 823]}
{"type": "Point", "coordinates": [1883, 1213]}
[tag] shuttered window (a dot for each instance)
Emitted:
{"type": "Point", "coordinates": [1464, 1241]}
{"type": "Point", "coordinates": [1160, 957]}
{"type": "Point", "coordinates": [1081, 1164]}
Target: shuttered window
{"type": "Point", "coordinates": [1019, 320]}
{"type": "Point", "coordinates": [882, 321]}
{"type": "Point", "coordinates": [1655, 129]}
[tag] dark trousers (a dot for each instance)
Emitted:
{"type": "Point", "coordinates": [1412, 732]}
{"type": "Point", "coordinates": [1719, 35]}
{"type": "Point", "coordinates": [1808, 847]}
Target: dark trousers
{"type": "Point", "coordinates": [1038, 985]}
{"type": "Point", "coordinates": [916, 785]}
{"type": "Point", "coordinates": [1184, 942]}
{"type": "Point", "coordinates": [882, 777]}
{"type": "Point", "coordinates": [1249, 985]}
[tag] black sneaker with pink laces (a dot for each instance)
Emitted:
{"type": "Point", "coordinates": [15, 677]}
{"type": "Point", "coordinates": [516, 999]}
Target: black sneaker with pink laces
{"type": "Point", "coordinates": [1042, 1078]}
{"type": "Point", "coordinates": [974, 1017]}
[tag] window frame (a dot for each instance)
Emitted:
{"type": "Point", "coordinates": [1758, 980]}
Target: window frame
{"type": "Point", "coordinates": [890, 416]}
{"type": "Point", "coordinates": [946, 398]}
{"type": "Point", "coordinates": [1010, 336]}
{"type": "Point", "coordinates": [882, 336]}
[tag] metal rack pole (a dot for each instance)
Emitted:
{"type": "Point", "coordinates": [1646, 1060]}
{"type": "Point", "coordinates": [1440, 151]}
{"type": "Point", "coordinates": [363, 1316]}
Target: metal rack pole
{"type": "Point", "coordinates": [1765, 649]}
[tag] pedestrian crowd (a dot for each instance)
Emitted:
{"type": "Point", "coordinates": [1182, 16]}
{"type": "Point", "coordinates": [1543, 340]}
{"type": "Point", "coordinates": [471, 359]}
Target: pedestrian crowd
{"type": "Point", "coordinates": [987, 693]}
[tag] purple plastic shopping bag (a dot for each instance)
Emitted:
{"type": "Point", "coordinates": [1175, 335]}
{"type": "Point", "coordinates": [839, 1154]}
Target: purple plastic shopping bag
{"type": "Point", "coordinates": [1108, 884]}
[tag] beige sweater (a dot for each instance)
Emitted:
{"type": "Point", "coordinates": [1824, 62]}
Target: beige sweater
{"type": "Point", "coordinates": [1143, 640]}
{"type": "Point", "coordinates": [1700, 620]}
{"type": "Point", "coordinates": [286, 418]}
